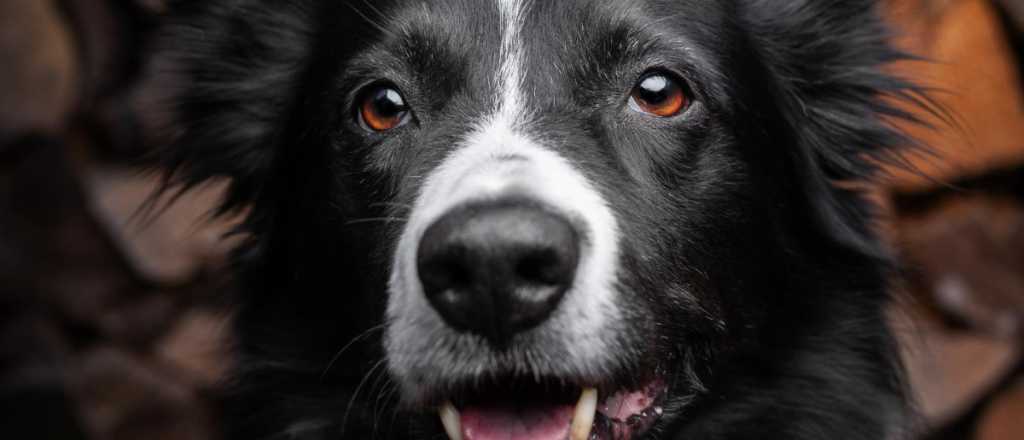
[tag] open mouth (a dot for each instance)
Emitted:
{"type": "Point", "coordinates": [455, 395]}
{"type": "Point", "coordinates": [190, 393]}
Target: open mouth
{"type": "Point", "coordinates": [555, 413]}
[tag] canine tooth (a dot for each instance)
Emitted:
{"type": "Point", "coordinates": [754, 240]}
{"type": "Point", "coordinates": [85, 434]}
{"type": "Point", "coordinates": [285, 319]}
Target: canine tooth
{"type": "Point", "coordinates": [451, 420]}
{"type": "Point", "coordinates": [583, 417]}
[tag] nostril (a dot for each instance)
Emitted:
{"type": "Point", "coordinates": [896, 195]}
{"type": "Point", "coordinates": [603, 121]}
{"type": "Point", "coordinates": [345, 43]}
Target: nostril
{"type": "Point", "coordinates": [546, 266]}
{"type": "Point", "coordinates": [448, 270]}
{"type": "Point", "coordinates": [499, 268]}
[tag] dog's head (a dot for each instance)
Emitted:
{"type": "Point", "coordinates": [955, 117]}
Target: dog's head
{"type": "Point", "coordinates": [561, 214]}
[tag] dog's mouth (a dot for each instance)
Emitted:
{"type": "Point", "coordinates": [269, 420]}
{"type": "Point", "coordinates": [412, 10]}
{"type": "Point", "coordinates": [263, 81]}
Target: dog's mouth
{"type": "Point", "coordinates": [554, 412]}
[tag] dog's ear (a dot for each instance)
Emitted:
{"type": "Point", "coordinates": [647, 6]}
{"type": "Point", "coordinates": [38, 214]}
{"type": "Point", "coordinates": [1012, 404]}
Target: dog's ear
{"type": "Point", "coordinates": [231, 70]}
{"type": "Point", "coordinates": [828, 61]}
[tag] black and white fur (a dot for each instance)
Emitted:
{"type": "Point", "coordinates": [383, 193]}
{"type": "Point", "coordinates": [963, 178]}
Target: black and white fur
{"type": "Point", "coordinates": [719, 249]}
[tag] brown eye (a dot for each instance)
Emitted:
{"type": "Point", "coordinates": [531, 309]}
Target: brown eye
{"type": "Point", "coordinates": [660, 95]}
{"type": "Point", "coordinates": [383, 108]}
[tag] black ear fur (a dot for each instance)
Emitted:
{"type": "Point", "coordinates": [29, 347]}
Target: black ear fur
{"type": "Point", "coordinates": [235, 67]}
{"type": "Point", "coordinates": [827, 60]}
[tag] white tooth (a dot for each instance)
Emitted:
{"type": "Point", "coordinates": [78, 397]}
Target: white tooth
{"type": "Point", "coordinates": [452, 421]}
{"type": "Point", "coordinates": [583, 417]}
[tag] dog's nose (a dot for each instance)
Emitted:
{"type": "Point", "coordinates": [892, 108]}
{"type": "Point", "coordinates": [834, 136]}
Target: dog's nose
{"type": "Point", "coordinates": [499, 268]}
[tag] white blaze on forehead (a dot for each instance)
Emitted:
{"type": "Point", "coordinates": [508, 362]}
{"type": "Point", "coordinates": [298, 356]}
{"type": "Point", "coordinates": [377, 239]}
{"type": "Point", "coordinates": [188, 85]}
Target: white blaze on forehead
{"type": "Point", "coordinates": [499, 159]}
{"type": "Point", "coordinates": [510, 74]}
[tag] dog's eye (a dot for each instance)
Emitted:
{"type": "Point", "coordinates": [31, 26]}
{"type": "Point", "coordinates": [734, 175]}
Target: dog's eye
{"type": "Point", "coordinates": [382, 108]}
{"type": "Point", "coordinates": [659, 94]}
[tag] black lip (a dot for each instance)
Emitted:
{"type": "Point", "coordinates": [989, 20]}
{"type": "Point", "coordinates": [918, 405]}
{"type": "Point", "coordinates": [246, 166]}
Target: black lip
{"type": "Point", "coordinates": [637, 425]}
{"type": "Point", "coordinates": [520, 390]}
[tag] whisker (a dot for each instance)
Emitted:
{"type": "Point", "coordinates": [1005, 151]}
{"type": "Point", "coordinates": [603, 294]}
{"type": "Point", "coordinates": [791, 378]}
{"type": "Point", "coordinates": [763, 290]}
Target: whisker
{"type": "Point", "coordinates": [405, 206]}
{"type": "Point", "coordinates": [355, 395]}
{"type": "Point", "coordinates": [386, 395]}
{"type": "Point", "coordinates": [351, 342]}
{"type": "Point", "coordinates": [376, 220]}
{"type": "Point", "coordinates": [371, 21]}
{"type": "Point", "coordinates": [394, 412]}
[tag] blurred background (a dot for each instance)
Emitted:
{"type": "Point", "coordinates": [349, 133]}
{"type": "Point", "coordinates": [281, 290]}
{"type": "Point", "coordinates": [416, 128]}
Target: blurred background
{"type": "Point", "coordinates": [112, 328]}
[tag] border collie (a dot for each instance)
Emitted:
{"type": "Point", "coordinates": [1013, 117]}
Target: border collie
{"type": "Point", "coordinates": [532, 219]}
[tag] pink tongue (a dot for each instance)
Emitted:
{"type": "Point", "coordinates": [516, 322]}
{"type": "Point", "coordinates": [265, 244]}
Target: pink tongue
{"type": "Point", "coordinates": [539, 423]}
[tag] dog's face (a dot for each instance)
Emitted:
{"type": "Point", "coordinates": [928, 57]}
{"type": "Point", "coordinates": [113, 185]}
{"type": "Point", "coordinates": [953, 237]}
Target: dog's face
{"type": "Point", "coordinates": [567, 218]}
{"type": "Point", "coordinates": [556, 183]}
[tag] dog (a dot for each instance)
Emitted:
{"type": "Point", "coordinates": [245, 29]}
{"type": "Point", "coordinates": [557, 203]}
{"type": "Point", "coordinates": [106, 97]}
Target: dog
{"type": "Point", "coordinates": [531, 219]}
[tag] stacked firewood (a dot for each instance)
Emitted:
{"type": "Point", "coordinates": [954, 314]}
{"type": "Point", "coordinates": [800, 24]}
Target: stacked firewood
{"type": "Point", "coordinates": [957, 218]}
{"type": "Point", "coordinates": [112, 323]}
